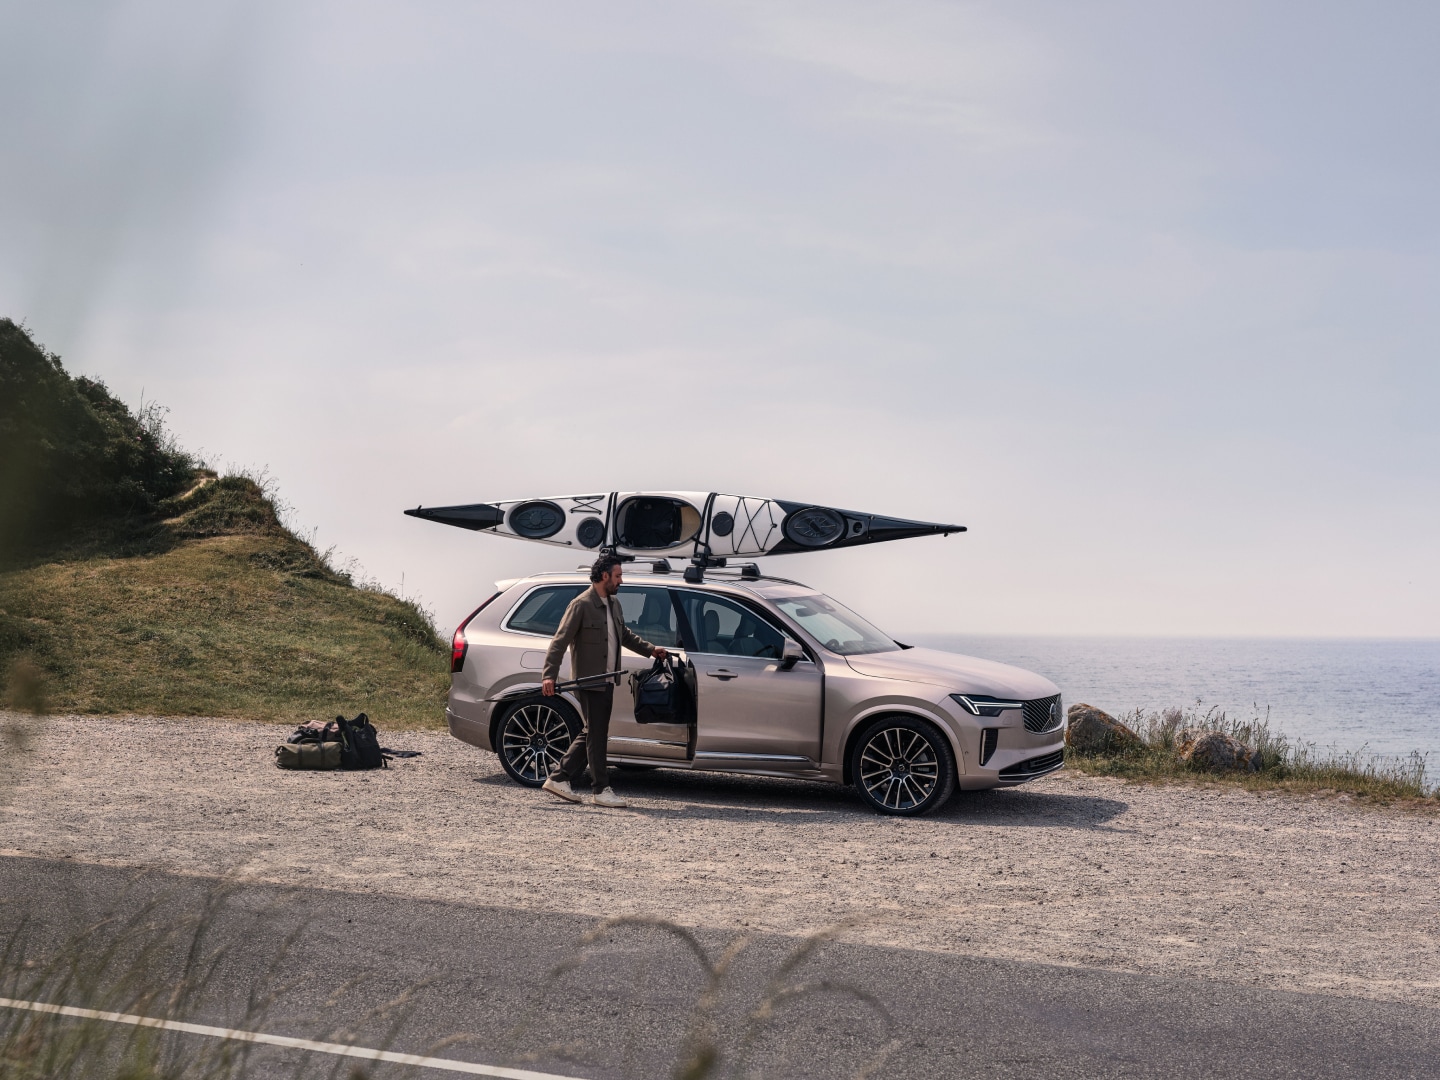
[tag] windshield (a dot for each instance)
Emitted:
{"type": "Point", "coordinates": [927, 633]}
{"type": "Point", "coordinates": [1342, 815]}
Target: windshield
{"type": "Point", "coordinates": [834, 625]}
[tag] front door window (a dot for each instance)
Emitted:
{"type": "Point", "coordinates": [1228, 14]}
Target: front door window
{"type": "Point", "coordinates": [724, 628]}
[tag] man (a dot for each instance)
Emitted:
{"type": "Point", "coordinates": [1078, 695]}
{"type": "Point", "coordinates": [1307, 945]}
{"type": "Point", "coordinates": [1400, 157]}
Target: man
{"type": "Point", "coordinates": [593, 629]}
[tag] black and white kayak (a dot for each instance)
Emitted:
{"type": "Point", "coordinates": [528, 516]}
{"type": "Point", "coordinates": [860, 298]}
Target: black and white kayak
{"type": "Point", "coordinates": [701, 525]}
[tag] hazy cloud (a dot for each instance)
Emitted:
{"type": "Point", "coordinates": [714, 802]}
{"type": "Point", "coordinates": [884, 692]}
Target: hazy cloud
{"type": "Point", "coordinates": [1141, 293]}
{"type": "Point", "coordinates": [119, 118]}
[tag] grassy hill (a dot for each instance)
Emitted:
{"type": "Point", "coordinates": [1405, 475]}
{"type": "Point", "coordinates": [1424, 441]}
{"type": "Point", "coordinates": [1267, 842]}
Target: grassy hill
{"type": "Point", "coordinates": [137, 582]}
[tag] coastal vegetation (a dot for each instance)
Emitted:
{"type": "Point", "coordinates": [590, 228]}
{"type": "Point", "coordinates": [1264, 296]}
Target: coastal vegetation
{"type": "Point", "coordinates": [135, 580]}
{"type": "Point", "coordinates": [1159, 747]}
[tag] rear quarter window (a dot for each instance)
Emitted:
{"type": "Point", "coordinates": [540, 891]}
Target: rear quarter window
{"type": "Point", "coordinates": [542, 609]}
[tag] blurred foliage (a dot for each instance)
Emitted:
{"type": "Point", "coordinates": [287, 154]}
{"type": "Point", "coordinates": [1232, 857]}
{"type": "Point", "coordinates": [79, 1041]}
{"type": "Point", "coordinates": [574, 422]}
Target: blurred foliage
{"type": "Point", "coordinates": [74, 461]}
{"type": "Point", "coordinates": [25, 687]}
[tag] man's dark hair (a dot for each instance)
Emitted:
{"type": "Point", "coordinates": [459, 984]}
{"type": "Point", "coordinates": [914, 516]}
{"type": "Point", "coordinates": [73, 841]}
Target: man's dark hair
{"type": "Point", "coordinates": [603, 565]}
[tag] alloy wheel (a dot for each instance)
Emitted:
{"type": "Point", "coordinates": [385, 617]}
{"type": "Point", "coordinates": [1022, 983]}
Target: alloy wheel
{"type": "Point", "coordinates": [899, 768]}
{"type": "Point", "coordinates": [532, 741]}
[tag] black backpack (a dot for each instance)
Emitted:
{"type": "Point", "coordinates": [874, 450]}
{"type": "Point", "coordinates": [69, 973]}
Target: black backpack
{"type": "Point", "coordinates": [661, 696]}
{"type": "Point", "coordinates": [360, 744]}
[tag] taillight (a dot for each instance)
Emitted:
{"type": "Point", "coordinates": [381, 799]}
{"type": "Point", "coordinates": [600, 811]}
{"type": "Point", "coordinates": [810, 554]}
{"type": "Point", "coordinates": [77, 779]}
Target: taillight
{"type": "Point", "coordinates": [458, 644]}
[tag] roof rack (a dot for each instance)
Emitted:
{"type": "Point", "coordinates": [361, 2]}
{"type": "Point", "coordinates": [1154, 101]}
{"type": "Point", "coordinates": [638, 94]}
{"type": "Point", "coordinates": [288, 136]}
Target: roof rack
{"type": "Point", "coordinates": [694, 575]}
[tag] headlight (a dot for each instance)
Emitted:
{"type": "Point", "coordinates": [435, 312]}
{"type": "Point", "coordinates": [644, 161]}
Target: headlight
{"type": "Point", "coordinates": [981, 705]}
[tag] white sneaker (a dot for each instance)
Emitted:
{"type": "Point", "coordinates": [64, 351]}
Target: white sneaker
{"type": "Point", "coordinates": [609, 798]}
{"type": "Point", "coordinates": [561, 789]}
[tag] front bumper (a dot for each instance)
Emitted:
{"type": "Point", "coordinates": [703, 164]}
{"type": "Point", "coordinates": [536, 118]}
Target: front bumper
{"type": "Point", "coordinates": [1031, 768]}
{"type": "Point", "coordinates": [1017, 755]}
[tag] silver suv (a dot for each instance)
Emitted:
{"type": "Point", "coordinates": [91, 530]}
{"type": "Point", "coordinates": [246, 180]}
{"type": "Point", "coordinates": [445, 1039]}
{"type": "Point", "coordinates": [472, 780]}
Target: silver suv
{"type": "Point", "coordinates": [787, 682]}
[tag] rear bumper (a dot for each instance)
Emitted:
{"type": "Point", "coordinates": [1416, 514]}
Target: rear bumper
{"type": "Point", "coordinates": [474, 732]}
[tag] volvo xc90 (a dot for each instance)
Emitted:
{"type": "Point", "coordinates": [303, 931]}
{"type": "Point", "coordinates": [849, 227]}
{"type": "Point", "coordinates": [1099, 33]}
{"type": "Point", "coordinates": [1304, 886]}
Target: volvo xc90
{"type": "Point", "coordinates": [786, 681]}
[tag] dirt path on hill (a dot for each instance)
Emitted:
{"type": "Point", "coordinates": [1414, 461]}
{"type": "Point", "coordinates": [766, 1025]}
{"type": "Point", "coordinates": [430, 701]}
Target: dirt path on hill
{"type": "Point", "coordinates": [1282, 891]}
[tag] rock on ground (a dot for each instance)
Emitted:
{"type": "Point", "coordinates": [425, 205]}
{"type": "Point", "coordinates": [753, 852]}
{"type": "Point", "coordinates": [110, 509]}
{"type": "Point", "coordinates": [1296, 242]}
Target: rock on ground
{"type": "Point", "coordinates": [1214, 751]}
{"type": "Point", "coordinates": [1091, 731]}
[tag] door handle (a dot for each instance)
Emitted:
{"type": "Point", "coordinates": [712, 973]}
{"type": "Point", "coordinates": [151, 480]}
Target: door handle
{"type": "Point", "coordinates": [722, 673]}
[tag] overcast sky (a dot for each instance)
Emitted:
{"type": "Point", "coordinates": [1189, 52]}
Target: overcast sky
{"type": "Point", "coordinates": [1144, 293]}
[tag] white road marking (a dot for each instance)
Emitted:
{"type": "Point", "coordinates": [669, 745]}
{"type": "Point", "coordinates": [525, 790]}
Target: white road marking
{"type": "Point", "coordinates": [340, 1049]}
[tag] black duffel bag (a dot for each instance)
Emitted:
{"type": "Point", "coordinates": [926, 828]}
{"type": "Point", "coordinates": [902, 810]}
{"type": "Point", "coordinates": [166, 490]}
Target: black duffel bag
{"type": "Point", "coordinates": [338, 744]}
{"type": "Point", "coordinates": [661, 696]}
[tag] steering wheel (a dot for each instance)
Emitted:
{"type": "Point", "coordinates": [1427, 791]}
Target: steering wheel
{"type": "Point", "coordinates": [833, 645]}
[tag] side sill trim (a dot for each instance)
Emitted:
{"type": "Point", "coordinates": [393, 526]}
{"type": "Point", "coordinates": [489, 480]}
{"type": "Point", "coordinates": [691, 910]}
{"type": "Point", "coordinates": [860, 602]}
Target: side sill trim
{"type": "Point", "coordinates": [716, 755]}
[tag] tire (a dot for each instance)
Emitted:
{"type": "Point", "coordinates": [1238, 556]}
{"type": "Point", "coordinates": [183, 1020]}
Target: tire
{"type": "Point", "coordinates": [902, 765]}
{"type": "Point", "coordinates": [533, 736]}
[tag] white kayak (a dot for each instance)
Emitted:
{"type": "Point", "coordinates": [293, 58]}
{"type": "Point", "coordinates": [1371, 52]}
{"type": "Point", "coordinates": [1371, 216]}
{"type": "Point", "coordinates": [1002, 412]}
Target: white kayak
{"type": "Point", "coordinates": [701, 525]}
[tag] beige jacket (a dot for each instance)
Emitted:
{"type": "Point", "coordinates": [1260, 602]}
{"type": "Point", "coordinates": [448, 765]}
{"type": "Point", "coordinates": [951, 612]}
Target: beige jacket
{"type": "Point", "coordinates": [582, 630]}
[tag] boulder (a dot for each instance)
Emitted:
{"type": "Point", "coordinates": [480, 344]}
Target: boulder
{"type": "Point", "coordinates": [1214, 751]}
{"type": "Point", "coordinates": [1091, 731]}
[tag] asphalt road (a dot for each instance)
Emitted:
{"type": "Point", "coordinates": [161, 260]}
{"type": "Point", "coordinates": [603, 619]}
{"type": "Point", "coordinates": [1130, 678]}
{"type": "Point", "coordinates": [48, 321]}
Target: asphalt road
{"type": "Point", "coordinates": [408, 975]}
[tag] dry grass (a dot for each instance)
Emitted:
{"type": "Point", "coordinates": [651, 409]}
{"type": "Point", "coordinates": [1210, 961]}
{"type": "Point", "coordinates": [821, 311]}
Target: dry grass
{"type": "Point", "coordinates": [706, 1050]}
{"type": "Point", "coordinates": [165, 964]}
{"type": "Point", "coordinates": [133, 580]}
{"type": "Point", "coordinates": [123, 965]}
{"type": "Point", "coordinates": [1285, 765]}
{"type": "Point", "coordinates": [223, 612]}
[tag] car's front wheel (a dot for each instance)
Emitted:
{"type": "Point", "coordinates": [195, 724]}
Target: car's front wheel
{"type": "Point", "coordinates": [534, 736]}
{"type": "Point", "coordinates": [903, 765]}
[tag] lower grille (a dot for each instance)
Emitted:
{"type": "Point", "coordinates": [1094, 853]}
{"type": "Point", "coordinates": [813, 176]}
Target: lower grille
{"type": "Point", "coordinates": [1036, 765]}
{"type": "Point", "coordinates": [1044, 714]}
{"type": "Point", "coordinates": [988, 738]}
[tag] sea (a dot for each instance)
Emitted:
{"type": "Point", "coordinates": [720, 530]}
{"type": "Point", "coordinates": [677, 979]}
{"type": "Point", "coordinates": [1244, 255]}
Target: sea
{"type": "Point", "coordinates": [1373, 697]}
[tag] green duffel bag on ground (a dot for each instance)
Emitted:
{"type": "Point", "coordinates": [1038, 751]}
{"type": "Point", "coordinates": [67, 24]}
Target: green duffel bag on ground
{"type": "Point", "coordinates": [308, 755]}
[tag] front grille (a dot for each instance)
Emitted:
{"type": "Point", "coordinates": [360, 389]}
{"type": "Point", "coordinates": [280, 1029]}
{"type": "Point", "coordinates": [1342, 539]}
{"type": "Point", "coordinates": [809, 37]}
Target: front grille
{"type": "Point", "coordinates": [1044, 714]}
{"type": "Point", "coordinates": [1036, 765]}
{"type": "Point", "coordinates": [988, 738]}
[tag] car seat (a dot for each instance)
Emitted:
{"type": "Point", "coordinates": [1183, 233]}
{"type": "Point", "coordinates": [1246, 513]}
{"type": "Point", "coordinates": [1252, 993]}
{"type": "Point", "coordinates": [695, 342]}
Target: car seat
{"type": "Point", "coordinates": [746, 641]}
{"type": "Point", "coordinates": [712, 642]}
{"type": "Point", "coordinates": [655, 622]}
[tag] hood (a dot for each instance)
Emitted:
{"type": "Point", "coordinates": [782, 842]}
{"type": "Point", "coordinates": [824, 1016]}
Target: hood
{"type": "Point", "coordinates": [957, 674]}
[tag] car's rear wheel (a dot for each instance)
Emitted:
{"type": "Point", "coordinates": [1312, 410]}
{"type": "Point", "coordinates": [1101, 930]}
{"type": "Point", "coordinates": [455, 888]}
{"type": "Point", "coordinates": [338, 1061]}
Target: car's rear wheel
{"type": "Point", "coordinates": [533, 737]}
{"type": "Point", "coordinates": [903, 765]}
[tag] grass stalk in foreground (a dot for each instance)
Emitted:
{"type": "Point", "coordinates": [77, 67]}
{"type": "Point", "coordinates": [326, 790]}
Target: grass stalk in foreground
{"type": "Point", "coordinates": [188, 961]}
{"type": "Point", "coordinates": [1285, 764]}
{"type": "Point", "coordinates": [165, 961]}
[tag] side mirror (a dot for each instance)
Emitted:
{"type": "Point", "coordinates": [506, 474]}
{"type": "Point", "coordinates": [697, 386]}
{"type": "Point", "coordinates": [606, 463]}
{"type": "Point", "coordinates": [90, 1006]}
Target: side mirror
{"type": "Point", "coordinates": [791, 654]}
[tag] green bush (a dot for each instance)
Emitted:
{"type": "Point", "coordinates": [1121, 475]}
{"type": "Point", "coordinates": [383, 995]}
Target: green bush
{"type": "Point", "coordinates": [72, 457]}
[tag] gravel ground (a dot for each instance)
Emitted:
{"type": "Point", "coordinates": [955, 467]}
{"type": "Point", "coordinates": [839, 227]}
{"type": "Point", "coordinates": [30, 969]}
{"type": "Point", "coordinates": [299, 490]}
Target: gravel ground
{"type": "Point", "coordinates": [1283, 891]}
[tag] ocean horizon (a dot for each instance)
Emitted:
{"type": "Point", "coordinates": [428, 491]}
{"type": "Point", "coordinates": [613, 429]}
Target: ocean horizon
{"type": "Point", "coordinates": [1377, 696]}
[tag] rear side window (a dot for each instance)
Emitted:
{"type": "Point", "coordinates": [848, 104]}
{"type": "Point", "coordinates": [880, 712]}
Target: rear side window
{"type": "Point", "coordinates": [650, 614]}
{"type": "Point", "coordinates": [541, 610]}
